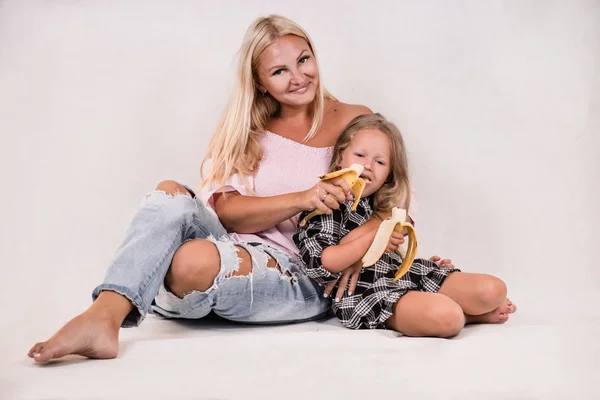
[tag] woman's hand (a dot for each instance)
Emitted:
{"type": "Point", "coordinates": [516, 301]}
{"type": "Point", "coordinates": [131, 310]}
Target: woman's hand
{"type": "Point", "coordinates": [349, 274]}
{"type": "Point", "coordinates": [445, 263]}
{"type": "Point", "coordinates": [325, 196]}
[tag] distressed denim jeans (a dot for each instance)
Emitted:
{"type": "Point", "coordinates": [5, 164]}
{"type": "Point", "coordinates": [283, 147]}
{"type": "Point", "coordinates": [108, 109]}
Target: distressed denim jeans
{"type": "Point", "coordinates": [163, 223]}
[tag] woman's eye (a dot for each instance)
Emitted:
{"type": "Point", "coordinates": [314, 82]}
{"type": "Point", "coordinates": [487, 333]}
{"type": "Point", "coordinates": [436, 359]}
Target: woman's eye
{"type": "Point", "coordinates": [303, 59]}
{"type": "Point", "coordinates": [278, 72]}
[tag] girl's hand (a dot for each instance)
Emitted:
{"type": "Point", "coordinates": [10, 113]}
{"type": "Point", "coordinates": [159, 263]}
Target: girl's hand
{"type": "Point", "coordinates": [351, 273]}
{"type": "Point", "coordinates": [396, 239]}
{"type": "Point", "coordinates": [325, 196]}
{"type": "Point", "coordinates": [445, 263]}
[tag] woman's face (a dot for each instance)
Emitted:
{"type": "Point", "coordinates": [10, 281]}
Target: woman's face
{"type": "Point", "coordinates": [287, 70]}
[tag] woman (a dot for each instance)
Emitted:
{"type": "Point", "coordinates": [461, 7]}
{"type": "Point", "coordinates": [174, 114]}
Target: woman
{"type": "Point", "coordinates": [275, 139]}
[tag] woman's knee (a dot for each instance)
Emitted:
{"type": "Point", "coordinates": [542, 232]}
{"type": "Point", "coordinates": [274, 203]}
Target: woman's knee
{"type": "Point", "coordinates": [172, 188]}
{"type": "Point", "coordinates": [195, 266]}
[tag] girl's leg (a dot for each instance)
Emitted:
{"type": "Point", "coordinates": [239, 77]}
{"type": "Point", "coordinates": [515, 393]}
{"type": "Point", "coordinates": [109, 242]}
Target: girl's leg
{"type": "Point", "coordinates": [427, 314]}
{"type": "Point", "coordinates": [168, 217]}
{"type": "Point", "coordinates": [482, 297]}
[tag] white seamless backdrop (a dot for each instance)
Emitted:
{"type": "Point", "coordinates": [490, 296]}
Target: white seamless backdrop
{"type": "Point", "coordinates": [498, 103]}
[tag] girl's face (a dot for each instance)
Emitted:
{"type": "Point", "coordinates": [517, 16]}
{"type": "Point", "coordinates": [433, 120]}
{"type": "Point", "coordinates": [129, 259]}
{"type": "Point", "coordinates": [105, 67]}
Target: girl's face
{"type": "Point", "coordinates": [370, 148]}
{"type": "Point", "coordinates": [288, 71]}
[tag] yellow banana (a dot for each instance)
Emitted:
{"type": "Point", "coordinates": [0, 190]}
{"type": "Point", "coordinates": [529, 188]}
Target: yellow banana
{"type": "Point", "coordinates": [397, 222]}
{"type": "Point", "coordinates": [352, 176]}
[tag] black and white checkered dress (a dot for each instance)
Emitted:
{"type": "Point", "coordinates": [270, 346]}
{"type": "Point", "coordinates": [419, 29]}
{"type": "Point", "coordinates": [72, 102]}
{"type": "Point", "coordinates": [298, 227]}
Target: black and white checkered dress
{"type": "Point", "coordinates": [376, 294]}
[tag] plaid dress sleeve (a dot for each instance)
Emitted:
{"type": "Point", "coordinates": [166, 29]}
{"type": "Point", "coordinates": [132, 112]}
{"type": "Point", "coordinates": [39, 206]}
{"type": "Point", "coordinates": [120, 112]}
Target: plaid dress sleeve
{"type": "Point", "coordinates": [321, 232]}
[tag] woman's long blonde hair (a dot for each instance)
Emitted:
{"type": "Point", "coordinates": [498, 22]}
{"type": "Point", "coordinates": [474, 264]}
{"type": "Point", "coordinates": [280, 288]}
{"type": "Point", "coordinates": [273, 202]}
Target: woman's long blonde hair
{"type": "Point", "coordinates": [396, 189]}
{"type": "Point", "coordinates": [234, 146]}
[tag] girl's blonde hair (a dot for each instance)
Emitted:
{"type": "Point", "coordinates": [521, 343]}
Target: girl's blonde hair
{"type": "Point", "coordinates": [234, 146]}
{"type": "Point", "coordinates": [396, 189]}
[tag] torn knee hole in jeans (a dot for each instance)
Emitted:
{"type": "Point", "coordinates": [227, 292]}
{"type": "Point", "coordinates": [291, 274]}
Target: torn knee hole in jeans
{"type": "Point", "coordinates": [272, 263]}
{"type": "Point", "coordinates": [256, 258]}
{"type": "Point", "coordinates": [244, 263]}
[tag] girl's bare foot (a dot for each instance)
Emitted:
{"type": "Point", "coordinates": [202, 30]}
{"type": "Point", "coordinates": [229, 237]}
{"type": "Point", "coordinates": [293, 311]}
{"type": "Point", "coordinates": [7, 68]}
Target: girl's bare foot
{"type": "Point", "coordinates": [498, 316]}
{"type": "Point", "coordinates": [93, 334]}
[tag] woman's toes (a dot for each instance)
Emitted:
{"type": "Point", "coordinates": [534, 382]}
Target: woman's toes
{"type": "Point", "coordinates": [45, 355]}
{"type": "Point", "coordinates": [36, 349]}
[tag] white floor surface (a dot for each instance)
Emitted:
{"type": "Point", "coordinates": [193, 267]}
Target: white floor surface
{"type": "Point", "coordinates": [534, 356]}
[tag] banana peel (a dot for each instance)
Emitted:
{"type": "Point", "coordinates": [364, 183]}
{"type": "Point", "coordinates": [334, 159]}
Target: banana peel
{"type": "Point", "coordinates": [397, 222]}
{"type": "Point", "coordinates": [352, 176]}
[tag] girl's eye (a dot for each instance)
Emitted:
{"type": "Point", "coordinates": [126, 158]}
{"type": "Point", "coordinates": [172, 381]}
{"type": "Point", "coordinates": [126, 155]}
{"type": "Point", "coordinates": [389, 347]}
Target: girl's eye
{"type": "Point", "coordinates": [359, 155]}
{"type": "Point", "coordinates": [380, 162]}
{"type": "Point", "coordinates": [304, 59]}
{"type": "Point", "coordinates": [278, 72]}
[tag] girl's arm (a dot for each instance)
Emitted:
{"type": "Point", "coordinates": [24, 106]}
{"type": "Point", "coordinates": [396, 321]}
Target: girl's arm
{"type": "Point", "coordinates": [338, 258]}
{"type": "Point", "coordinates": [352, 248]}
{"type": "Point", "coordinates": [322, 250]}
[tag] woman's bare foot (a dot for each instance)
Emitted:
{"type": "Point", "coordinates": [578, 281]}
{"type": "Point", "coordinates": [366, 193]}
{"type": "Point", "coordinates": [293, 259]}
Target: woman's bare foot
{"type": "Point", "coordinates": [498, 316]}
{"type": "Point", "coordinates": [85, 335]}
{"type": "Point", "coordinates": [93, 334]}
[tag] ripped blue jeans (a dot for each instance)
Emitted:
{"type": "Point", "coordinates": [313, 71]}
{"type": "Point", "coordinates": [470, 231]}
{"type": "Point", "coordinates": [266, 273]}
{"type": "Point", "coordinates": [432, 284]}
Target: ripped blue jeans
{"type": "Point", "coordinates": [163, 223]}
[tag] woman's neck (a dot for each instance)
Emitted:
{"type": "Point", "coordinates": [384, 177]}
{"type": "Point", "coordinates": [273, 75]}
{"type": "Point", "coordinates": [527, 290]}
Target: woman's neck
{"type": "Point", "coordinates": [301, 113]}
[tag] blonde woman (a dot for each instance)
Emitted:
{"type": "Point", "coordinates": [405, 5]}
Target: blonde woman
{"type": "Point", "coordinates": [177, 259]}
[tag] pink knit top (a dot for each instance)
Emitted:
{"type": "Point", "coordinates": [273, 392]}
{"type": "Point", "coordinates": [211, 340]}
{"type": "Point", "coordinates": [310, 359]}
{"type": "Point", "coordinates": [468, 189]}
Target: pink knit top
{"type": "Point", "coordinates": [287, 166]}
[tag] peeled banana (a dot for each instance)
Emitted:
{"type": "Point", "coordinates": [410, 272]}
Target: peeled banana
{"type": "Point", "coordinates": [397, 222]}
{"type": "Point", "coordinates": [352, 176]}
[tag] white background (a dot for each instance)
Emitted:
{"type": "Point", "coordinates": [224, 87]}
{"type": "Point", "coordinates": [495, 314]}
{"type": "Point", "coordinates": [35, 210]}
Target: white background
{"type": "Point", "coordinates": [498, 101]}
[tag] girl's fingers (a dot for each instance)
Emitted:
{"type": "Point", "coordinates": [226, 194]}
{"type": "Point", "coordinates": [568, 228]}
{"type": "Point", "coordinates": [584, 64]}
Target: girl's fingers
{"type": "Point", "coordinates": [353, 282]}
{"type": "Point", "coordinates": [397, 241]}
{"type": "Point", "coordinates": [329, 288]}
{"type": "Point", "coordinates": [342, 287]}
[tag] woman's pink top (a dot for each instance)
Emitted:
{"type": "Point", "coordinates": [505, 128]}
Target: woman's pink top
{"type": "Point", "coordinates": [286, 167]}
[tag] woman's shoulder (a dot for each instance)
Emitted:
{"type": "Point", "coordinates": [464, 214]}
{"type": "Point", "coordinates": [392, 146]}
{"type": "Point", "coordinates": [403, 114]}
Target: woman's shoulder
{"type": "Point", "coordinates": [342, 113]}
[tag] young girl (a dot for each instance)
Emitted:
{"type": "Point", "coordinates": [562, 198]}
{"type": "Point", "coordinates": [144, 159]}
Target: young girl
{"type": "Point", "coordinates": [332, 243]}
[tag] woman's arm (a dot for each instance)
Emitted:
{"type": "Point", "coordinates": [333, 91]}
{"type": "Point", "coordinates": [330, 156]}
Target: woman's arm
{"type": "Point", "coordinates": [250, 214]}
